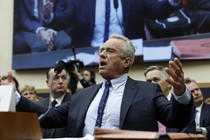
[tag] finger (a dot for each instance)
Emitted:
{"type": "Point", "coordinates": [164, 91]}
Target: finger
{"type": "Point", "coordinates": [51, 43]}
{"type": "Point", "coordinates": [176, 68]}
{"type": "Point", "coordinates": [178, 63]}
{"type": "Point", "coordinates": [9, 76]}
{"type": "Point", "coordinates": [49, 47]}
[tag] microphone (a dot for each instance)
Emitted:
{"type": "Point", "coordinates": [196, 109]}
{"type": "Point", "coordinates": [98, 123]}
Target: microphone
{"type": "Point", "coordinates": [116, 4]}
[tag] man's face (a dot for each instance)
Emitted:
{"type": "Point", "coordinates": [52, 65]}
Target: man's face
{"type": "Point", "coordinates": [111, 64]}
{"type": "Point", "coordinates": [196, 92]}
{"type": "Point", "coordinates": [155, 76]}
{"type": "Point", "coordinates": [58, 84]}
{"type": "Point", "coordinates": [86, 75]}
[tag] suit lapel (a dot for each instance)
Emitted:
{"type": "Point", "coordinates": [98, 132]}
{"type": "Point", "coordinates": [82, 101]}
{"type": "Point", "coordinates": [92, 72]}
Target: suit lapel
{"type": "Point", "coordinates": [128, 96]}
{"type": "Point", "coordinates": [87, 101]}
{"type": "Point", "coordinates": [66, 98]}
{"type": "Point", "coordinates": [204, 112]}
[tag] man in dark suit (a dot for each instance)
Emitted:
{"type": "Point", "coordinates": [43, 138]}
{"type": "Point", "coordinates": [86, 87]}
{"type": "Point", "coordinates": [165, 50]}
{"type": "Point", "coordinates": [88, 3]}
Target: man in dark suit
{"type": "Point", "coordinates": [87, 18]}
{"type": "Point", "coordinates": [130, 105]}
{"type": "Point", "coordinates": [202, 117]}
{"type": "Point", "coordinates": [157, 74]}
{"type": "Point", "coordinates": [58, 87]}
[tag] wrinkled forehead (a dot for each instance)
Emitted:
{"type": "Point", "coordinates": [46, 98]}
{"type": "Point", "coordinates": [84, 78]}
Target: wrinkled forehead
{"type": "Point", "coordinates": [113, 43]}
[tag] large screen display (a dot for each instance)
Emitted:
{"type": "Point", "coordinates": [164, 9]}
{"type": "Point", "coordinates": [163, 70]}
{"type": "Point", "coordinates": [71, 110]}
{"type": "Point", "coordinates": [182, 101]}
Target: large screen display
{"type": "Point", "coordinates": [39, 44]}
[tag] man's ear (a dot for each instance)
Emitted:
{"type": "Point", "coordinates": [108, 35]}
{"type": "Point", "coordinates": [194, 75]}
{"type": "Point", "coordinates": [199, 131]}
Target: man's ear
{"type": "Point", "coordinates": [127, 62]}
{"type": "Point", "coordinates": [47, 82]}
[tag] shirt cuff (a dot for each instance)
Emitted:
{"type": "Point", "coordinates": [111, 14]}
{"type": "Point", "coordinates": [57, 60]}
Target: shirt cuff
{"type": "Point", "coordinates": [175, 3]}
{"type": "Point", "coordinates": [17, 97]}
{"type": "Point", "coordinates": [51, 30]}
{"type": "Point", "coordinates": [183, 99]}
{"type": "Point", "coordinates": [38, 29]}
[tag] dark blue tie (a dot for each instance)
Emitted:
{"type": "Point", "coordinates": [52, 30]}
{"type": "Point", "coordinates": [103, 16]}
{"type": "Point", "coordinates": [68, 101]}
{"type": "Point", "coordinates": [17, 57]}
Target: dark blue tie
{"type": "Point", "coordinates": [102, 104]}
{"type": "Point", "coordinates": [53, 103]}
{"type": "Point", "coordinates": [107, 17]}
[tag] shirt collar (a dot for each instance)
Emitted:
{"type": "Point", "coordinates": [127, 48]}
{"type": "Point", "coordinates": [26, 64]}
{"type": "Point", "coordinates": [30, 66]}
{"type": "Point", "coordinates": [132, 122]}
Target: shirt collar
{"type": "Point", "coordinates": [117, 82]}
{"type": "Point", "coordinates": [199, 107]}
{"type": "Point", "coordinates": [59, 100]}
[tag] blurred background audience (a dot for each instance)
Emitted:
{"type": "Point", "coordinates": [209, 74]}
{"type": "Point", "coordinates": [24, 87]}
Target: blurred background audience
{"type": "Point", "coordinates": [202, 117]}
{"type": "Point", "coordinates": [30, 93]}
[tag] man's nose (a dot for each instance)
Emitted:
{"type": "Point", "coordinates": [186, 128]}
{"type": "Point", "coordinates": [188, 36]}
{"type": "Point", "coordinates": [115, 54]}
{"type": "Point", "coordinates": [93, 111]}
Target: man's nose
{"type": "Point", "coordinates": [60, 80]}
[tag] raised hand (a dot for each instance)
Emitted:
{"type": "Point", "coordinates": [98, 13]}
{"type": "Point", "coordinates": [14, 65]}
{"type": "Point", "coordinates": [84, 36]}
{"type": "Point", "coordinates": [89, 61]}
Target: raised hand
{"type": "Point", "coordinates": [176, 78]}
{"type": "Point", "coordinates": [9, 80]}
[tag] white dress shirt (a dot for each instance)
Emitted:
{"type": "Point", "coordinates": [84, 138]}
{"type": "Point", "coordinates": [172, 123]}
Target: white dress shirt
{"type": "Point", "coordinates": [198, 115]}
{"type": "Point", "coordinates": [116, 20]}
{"type": "Point", "coordinates": [59, 100]}
{"type": "Point", "coordinates": [111, 115]}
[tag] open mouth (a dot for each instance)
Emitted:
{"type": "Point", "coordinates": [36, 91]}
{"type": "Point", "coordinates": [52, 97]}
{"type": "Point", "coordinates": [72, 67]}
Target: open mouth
{"type": "Point", "coordinates": [102, 63]}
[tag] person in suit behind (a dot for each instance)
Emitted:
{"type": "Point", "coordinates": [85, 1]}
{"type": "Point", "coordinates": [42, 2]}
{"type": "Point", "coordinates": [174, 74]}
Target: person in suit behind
{"type": "Point", "coordinates": [88, 18]}
{"type": "Point", "coordinates": [131, 104]}
{"type": "Point", "coordinates": [157, 74]}
{"type": "Point", "coordinates": [202, 118]}
{"type": "Point", "coordinates": [58, 91]}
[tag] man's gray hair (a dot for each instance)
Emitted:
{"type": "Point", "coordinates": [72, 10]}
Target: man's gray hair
{"type": "Point", "coordinates": [159, 68]}
{"type": "Point", "coordinates": [129, 49]}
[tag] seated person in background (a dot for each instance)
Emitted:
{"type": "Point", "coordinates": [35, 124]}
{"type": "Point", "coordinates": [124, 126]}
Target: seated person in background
{"type": "Point", "coordinates": [35, 15]}
{"type": "Point", "coordinates": [15, 81]}
{"type": "Point", "coordinates": [119, 102]}
{"type": "Point", "coordinates": [94, 23]}
{"type": "Point", "coordinates": [30, 93]}
{"type": "Point", "coordinates": [19, 44]}
{"type": "Point", "coordinates": [157, 74]}
{"type": "Point", "coordinates": [58, 95]}
{"type": "Point", "coordinates": [202, 117]}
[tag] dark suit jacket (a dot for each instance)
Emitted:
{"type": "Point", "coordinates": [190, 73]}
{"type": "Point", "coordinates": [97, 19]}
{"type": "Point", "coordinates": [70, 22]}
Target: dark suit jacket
{"type": "Point", "coordinates": [54, 133]}
{"type": "Point", "coordinates": [29, 22]}
{"type": "Point", "coordinates": [205, 118]}
{"type": "Point", "coordinates": [143, 104]}
{"type": "Point", "coordinates": [190, 128]}
{"type": "Point", "coordinates": [81, 15]}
